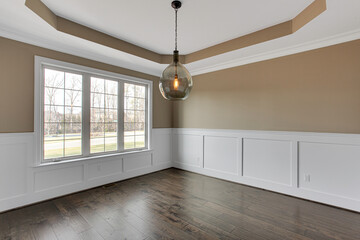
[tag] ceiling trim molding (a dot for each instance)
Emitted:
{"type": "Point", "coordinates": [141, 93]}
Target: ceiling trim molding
{"type": "Point", "coordinates": [38, 42]}
{"type": "Point", "coordinates": [311, 45]}
{"type": "Point", "coordinates": [81, 31]}
{"type": "Point", "coordinates": [264, 35]}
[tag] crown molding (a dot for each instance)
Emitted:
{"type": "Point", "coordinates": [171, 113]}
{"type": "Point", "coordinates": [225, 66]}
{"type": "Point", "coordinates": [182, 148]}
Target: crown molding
{"type": "Point", "coordinates": [311, 45]}
{"type": "Point", "coordinates": [277, 31]}
{"type": "Point", "coordinates": [39, 42]}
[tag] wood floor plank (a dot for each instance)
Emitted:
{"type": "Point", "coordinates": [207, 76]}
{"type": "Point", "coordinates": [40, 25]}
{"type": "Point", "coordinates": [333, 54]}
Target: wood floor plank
{"type": "Point", "coordinates": [73, 217]}
{"type": "Point", "coordinates": [175, 204]}
{"type": "Point", "coordinates": [43, 231]}
{"type": "Point", "coordinates": [4, 227]}
{"type": "Point", "coordinates": [21, 232]}
{"type": "Point", "coordinates": [90, 234]}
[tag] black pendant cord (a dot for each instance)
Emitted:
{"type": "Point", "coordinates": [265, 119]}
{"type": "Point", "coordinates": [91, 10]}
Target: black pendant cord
{"type": "Point", "coordinates": [176, 51]}
{"type": "Point", "coordinates": [176, 29]}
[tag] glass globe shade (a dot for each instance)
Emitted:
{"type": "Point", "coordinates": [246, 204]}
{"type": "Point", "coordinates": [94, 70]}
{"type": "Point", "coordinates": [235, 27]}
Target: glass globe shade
{"type": "Point", "coordinates": [175, 81]}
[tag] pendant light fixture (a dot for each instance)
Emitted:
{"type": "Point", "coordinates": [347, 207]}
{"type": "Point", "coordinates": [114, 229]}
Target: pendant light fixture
{"type": "Point", "coordinates": [175, 81]}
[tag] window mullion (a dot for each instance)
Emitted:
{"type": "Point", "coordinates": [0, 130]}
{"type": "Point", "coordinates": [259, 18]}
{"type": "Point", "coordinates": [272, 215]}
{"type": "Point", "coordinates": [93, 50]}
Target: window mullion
{"type": "Point", "coordinates": [86, 115]}
{"type": "Point", "coordinates": [120, 122]}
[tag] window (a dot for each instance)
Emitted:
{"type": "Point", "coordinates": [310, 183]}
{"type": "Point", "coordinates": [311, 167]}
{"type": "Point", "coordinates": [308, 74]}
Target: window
{"type": "Point", "coordinates": [103, 115]}
{"type": "Point", "coordinates": [62, 114]}
{"type": "Point", "coordinates": [134, 112]}
{"type": "Point", "coordinates": [83, 112]}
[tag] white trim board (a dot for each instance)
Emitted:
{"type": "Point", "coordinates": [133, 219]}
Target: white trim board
{"type": "Point", "coordinates": [304, 47]}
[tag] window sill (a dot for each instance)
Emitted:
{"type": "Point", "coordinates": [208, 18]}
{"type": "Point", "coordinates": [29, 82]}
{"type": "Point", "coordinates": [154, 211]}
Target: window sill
{"type": "Point", "coordinates": [95, 157]}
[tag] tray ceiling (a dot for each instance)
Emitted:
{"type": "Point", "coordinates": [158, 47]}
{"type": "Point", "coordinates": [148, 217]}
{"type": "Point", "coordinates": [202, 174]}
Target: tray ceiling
{"type": "Point", "coordinates": [339, 23]}
{"type": "Point", "coordinates": [202, 23]}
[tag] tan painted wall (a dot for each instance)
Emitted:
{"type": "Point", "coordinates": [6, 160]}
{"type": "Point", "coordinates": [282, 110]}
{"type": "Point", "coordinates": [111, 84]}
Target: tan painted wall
{"type": "Point", "coordinates": [17, 85]}
{"type": "Point", "coordinates": [317, 91]}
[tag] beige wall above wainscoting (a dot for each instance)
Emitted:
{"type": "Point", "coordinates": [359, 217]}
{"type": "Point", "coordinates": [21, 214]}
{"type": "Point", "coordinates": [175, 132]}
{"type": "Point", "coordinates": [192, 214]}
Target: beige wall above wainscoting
{"type": "Point", "coordinates": [315, 91]}
{"type": "Point", "coordinates": [17, 85]}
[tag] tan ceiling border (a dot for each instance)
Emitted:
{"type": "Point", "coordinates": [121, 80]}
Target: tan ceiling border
{"type": "Point", "coordinates": [267, 34]}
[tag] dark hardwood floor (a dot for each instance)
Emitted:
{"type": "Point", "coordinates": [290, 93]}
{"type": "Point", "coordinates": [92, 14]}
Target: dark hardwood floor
{"type": "Point", "coordinates": [174, 204]}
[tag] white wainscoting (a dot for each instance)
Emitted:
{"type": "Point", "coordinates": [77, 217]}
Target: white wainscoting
{"type": "Point", "coordinates": [21, 183]}
{"type": "Point", "coordinates": [315, 166]}
{"type": "Point", "coordinates": [322, 167]}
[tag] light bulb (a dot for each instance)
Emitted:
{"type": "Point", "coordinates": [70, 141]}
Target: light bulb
{"type": "Point", "coordinates": [176, 82]}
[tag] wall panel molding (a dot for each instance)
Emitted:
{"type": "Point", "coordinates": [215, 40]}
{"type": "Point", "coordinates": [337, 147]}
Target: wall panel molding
{"type": "Point", "coordinates": [321, 167]}
{"type": "Point", "coordinates": [22, 184]}
{"type": "Point", "coordinates": [331, 160]}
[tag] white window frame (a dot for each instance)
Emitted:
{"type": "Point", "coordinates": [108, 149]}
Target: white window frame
{"type": "Point", "coordinates": [40, 63]}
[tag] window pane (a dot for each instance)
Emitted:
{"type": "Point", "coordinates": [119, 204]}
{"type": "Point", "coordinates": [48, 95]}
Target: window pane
{"type": "Point", "coordinates": [129, 90]}
{"type": "Point", "coordinates": [110, 130]}
{"type": "Point", "coordinates": [140, 91]}
{"type": "Point", "coordinates": [97, 145]}
{"type": "Point", "coordinates": [72, 139]}
{"type": "Point", "coordinates": [53, 113]}
{"type": "Point", "coordinates": [111, 87]}
{"type": "Point", "coordinates": [53, 130]}
{"type": "Point", "coordinates": [73, 81]}
{"type": "Point", "coordinates": [73, 114]}
{"type": "Point", "coordinates": [53, 149]}
{"type": "Point", "coordinates": [54, 78]}
{"type": "Point", "coordinates": [129, 116]}
{"type": "Point", "coordinates": [97, 115]}
{"type": "Point", "coordinates": [140, 116]}
{"type": "Point", "coordinates": [97, 100]}
{"type": "Point", "coordinates": [129, 103]}
{"type": "Point", "coordinates": [54, 96]}
{"type": "Point", "coordinates": [111, 101]}
{"type": "Point", "coordinates": [110, 144]}
{"type": "Point", "coordinates": [53, 140]}
{"type": "Point", "coordinates": [97, 85]}
{"type": "Point", "coordinates": [97, 130]}
{"type": "Point", "coordinates": [72, 147]}
{"type": "Point", "coordinates": [139, 141]}
{"type": "Point", "coordinates": [139, 128]}
{"type": "Point", "coordinates": [73, 130]}
{"type": "Point", "coordinates": [140, 104]}
{"type": "Point", "coordinates": [111, 115]}
{"type": "Point", "coordinates": [97, 134]}
{"type": "Point", "coordinates": [73, 98]}
{"type": "Point", "coordinates": [129, 142]}
{"type": "Point", "coordinates": [129, 129]}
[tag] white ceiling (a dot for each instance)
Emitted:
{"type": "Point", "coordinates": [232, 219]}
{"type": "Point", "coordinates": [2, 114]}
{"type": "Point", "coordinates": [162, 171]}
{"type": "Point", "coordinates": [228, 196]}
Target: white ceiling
{"type": "Point", "coordinates": [202, 23]}
{"type": "Point", "coordinates": [340, 23]}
